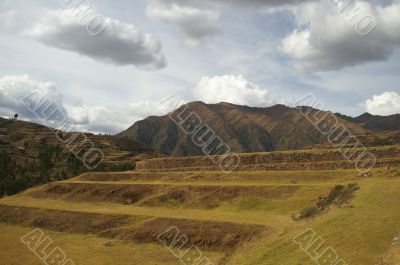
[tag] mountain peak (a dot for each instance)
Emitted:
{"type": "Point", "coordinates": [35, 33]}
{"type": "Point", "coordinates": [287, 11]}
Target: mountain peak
{"type": "Point", "coordinates": [365, 115]}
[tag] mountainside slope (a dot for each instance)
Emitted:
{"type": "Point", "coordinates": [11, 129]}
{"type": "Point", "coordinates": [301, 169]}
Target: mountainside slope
{"type": "Point", "coordinates": [31, 154]}
{"type": "Point", "coordinates": [244, 129]}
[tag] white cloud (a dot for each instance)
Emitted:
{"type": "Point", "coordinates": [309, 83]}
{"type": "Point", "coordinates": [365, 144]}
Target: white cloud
{"type": "Point", "coordinates": [119, 43]}
{"type": "Point", "coordinates": [114, 119]}
{"type": "Point", "coordinates": [97, 119]}
{"type": "Point", "coordinates": [198, 19]}
{"type": "Point", "coordinates": [14, 89]}
{"type": "Point", "coordinates": [144, 109]}
{"type": "Point", "coordinates": [232, 89]}
{"type": "Point", "coordinates": [387, 103]}
{"type": "Point", "coordinates": [196, 24]}
{"type": "Point", "coordinates": [104, 119]}
{"type": "Point", "coordinates": [238, 3]}
{"type": "Point", "coordinates": [325, 40]}
{"type": "Point", "coordinates": [8, 20]}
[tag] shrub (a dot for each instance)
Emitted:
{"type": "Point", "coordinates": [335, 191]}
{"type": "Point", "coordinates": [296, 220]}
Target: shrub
{"type": "Point", "coordinates": [308, 212]}
{"type": "Point", "coordinates": [338, 195]}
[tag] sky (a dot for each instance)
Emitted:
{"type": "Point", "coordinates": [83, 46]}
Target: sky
{"type": "Point", "coordinates": [108, 64]}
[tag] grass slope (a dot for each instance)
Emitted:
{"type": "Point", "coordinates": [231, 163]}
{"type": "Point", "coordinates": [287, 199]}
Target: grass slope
{"type": "Point", "coordinates": [243, 203]}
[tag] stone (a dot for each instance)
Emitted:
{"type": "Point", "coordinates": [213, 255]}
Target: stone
{"type": "Point", "coordinates": [108, 244]}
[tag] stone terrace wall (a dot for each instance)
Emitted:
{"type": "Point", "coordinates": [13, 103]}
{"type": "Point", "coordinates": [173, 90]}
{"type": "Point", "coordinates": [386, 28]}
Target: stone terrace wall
{"type": "Point", "coordinates": [275, 160]}
{"type": "Point", "coordinates": [324, 165]}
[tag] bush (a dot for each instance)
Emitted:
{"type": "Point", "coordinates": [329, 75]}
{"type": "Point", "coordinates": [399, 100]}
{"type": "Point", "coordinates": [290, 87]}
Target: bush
{"type": "Point", "coordinates": [308, 212]}
{"type": "Point", "coordinates": [393, 173]}
{"type": "Point", "coordinates": [338, 195]}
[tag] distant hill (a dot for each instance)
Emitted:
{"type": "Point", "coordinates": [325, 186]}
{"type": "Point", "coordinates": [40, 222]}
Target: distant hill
{"type": "Point", "coordinates": [376, 123]}
{"type": "Point", "coordinates": [32, 154]}
{"type": "Point", "coordinates": [248, 129]}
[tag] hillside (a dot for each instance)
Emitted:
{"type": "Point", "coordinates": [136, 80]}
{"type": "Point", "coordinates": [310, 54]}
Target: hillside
{"type": "Point", "coordinates": [247, 217]}
{"type": "Point", "coordinates": [247, 129]}
{"type": "Point", "coordinates": [376, 123]}
{"type": "Point", "coordinates": [31, 154]}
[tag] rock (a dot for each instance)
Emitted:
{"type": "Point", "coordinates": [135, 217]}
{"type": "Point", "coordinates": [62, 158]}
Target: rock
{"type": "Point", "coordinates": [108, 244]}
{"type": "Point", "coordinates": [346, 205]}
{"type": "Point", "coordinates": [396, 241]}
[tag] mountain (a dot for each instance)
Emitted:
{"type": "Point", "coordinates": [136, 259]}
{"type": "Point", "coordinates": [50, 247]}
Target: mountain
{"type": "Point", "coordinates": [32, 154]}
{"type": "Point", "coordinates": [247, 129]}
{"type": "Point", "coordinates": [376, 123]}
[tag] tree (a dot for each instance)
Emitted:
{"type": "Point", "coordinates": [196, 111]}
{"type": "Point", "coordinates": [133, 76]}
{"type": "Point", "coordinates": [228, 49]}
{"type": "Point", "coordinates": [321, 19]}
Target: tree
{"type": "Point", "coordinates": [16, 116]}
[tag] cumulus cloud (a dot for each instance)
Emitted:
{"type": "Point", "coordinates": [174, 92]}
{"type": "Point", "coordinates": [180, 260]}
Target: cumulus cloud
{"type": "Point", "coordinates": [14, 89]}
{"type": "Point", "coordinates": [16, 92]}
{"type": "Point", "coordinates": [96, 118]}
{"type": "Point", "coordinates": [196, 24]}
{"type": "Point", "coordinates": [119, 43]}
{"type": "Point", "coordinates": [327, 40]}
{"type": "Point", "coordinates": [387, 103]}
{"type": "Point", "coordinates": [233, 89]}
{"type": "Point", "coordinates": [198, 19]}
{"type": "Point", "coordinates": [114, 119]}
{"type": "Point", "coordinates": [238, 3]}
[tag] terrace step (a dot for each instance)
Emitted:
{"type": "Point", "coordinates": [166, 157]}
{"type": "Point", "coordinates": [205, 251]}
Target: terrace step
{"type": "Point", "coordinates": [204, 234]}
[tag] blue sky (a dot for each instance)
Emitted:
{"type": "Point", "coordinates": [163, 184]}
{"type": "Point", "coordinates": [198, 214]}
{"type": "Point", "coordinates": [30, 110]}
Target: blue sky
{"type": "Point", "coordinates": [256, 53]}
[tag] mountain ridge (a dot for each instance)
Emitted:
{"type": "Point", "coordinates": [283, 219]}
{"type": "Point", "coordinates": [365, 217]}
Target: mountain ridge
{"type": "Point", "coordinates": [249, 129]}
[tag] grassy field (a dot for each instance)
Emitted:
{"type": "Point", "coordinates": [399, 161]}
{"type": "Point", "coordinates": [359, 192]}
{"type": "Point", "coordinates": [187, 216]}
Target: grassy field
{"type": "Point", "coordinates": [243, 218]}
{"type": "Point", "coordinates": [359, 235]}
{"type": "Point", "coordinates": [85, 249]}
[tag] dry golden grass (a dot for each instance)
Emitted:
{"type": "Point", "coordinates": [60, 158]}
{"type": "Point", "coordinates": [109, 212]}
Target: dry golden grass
{"type": "Point", "coordinates": [86, 249]}
{"type": "Point", "coordinates": [360, 235]}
